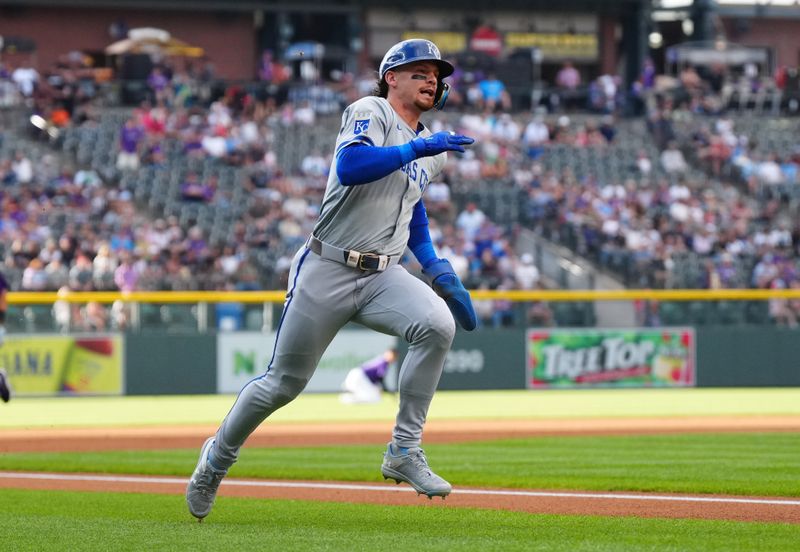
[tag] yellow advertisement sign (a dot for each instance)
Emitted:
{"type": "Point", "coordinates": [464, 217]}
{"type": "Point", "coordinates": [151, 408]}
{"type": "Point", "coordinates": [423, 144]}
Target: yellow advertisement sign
{"type": "Point", "coordinates": [447, 42]}
{"type": "Point", "coordinates": [557, 45]}
{"type": "Point", "coordinates": [52, 365]}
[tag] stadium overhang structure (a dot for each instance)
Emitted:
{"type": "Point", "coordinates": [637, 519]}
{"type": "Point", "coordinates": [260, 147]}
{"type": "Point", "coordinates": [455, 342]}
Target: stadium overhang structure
{"type": "Point", "coordinates": [620, 32]}
{"type": "Point", "coordinates": [474, 7]}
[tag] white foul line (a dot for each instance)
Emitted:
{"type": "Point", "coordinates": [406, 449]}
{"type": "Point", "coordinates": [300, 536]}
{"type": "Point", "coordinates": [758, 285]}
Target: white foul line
{"type": "Point", "coordinates": [392, 488]}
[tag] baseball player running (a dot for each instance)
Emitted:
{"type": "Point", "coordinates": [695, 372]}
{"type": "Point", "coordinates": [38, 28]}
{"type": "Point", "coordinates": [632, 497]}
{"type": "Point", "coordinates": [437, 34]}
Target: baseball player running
{"type": "Point", "coordinates": [347, 271]}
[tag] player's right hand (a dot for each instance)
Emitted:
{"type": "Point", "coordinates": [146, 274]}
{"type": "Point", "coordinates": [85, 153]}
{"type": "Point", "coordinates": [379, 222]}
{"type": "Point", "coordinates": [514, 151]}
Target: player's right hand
{"type": "Point", "coordinates": [448, 286]}
{"type": "Point", "coordinates": [440, 143]}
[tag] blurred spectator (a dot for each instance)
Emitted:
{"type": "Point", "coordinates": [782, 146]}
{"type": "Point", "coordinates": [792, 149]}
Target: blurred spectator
{"type": "Point", "coordinates": [126, 276]}
{"type": "Point", "coordinates": [526, 273]}
{"type": "Point", "coordinates": [470, 220]}
{"type": "Point", "coordinates": [130, 139]}
{"type": "Point", "coordinates": [643, 163]}
{"type": "Point", "coordinates": [315, 164]}
{"type": "Point", "coordinates": [103, 267]}
{"type": "Point", "coordinates": [26, 79]}
{"type": "Point", "coordinates": [57, 275]}
{"type": "Point", "coordinates": [769, 171]}
{"type": "Point", "coordinates": [81, 274]}
{"type": "Point", "coordinates": [494, 95]}
{"type": "Point", "coordinates": [94, 317]}
{"type": "Point", "coordinates": [158, 83]}
{"type": "Point", "coordinates": [536, 136]}
{"type": "Point", "coordinates": [607, 128]}
{"type": "Point", "coordinates": [673, 161]}
{"type": "Point", "coordinates": [506, 130]}
{"type": "Point", "coordinates": [568, 79]}
{"type": "Point", "coordinates": [568, 76]}
{"type": "Point", "coordinates": [195, 191]}
{"type": "Point", "coordinates": [438, 202]}
{"type": "Point", "coordinates": [120, 315]}
{"type": "Point", "coordinates": [34, 277]}
{"type": "Point", "coordinates": [539, 313]}
{"type": "Point", "coordinates": [22, 167]}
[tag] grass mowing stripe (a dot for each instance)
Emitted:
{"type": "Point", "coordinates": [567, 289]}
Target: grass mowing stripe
{"type": "Point", "coordinates": [29, 412]}
{"type": "Point", "coordinates": [39, 520]}
{"type": "Point", "coordinates": [747, 464]}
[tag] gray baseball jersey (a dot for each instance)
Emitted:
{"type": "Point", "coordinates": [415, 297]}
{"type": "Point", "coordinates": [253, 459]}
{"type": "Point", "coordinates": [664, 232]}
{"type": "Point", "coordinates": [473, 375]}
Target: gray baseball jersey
{"type": "Point", "coordinates": [374, 217]}
{"type": "Point", "coordinates": [325, 293]}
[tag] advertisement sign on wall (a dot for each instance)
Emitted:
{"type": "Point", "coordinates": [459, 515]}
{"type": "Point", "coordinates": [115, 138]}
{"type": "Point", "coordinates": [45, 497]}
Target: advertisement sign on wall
{"type": "Point", "coordinates": [242, 356]}
{"type": "Point", "coordinates": [492, 358]}
{"type": "Point", "coordinates": [73, 365]}
{"type": "Point", "coordinates": [558, 46]}
{"type": "Point", "coordinates": [661, 357]}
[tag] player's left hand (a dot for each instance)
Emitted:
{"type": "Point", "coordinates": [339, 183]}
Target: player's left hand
{"type": "Point", "coordinates": [448, 286]}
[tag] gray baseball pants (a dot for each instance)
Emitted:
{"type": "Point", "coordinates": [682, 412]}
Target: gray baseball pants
{"type": "Point", "coordinates": [323, 296]}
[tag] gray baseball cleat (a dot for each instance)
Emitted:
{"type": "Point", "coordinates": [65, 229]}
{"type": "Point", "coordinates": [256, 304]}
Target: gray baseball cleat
{"type": "Point", "coordinates": [202, 488]}
{"type": "Point", "coordinates": [412, 467]}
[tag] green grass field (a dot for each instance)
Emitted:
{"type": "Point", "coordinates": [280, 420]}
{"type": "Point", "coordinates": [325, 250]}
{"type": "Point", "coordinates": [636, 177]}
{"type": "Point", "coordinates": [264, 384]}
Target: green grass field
{"type": "Point", "coordinates": [758, 464]}
{"type": "Point", "coordinates": [447, 405]}
{"type": "Point", "coordinates": [35, 520]}
{"type": "Point", "coordinates": [748, 464]}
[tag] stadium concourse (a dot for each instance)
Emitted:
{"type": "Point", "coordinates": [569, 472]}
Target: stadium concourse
{"type": "Point", "coordinates": [210, 186]}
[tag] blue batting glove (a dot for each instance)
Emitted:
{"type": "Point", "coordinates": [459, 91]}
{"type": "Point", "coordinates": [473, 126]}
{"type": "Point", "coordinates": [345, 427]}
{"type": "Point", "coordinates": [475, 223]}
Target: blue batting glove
{"type": "Point", "coordinates": [439, 143]}
{"type": "Point", "coordinates": [448, 286]}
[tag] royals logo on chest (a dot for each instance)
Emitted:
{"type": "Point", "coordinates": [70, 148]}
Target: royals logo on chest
{"type": "Point", "coordinates": [416, 173]}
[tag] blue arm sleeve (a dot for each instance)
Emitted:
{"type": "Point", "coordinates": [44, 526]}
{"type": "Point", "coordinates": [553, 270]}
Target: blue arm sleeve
{"type": "Point", "coordinates": [419, 239]}
{"type": "Point", "coordinates": [359, 163]}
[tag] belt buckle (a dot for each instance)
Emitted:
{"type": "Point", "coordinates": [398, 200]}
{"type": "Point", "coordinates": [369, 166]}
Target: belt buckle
{"type": "Point", "coordinates": [367, 256]}
{"type": "Point", "coordinates": [381, 260]}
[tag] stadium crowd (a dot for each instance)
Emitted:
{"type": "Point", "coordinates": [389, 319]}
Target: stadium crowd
{"type": "Point", "coordinates": [693, 210]}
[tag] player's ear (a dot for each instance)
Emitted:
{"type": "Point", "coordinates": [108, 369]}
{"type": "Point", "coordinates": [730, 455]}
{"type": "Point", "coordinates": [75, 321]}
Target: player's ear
{"type": "Point", "coordinates": [391, 78]}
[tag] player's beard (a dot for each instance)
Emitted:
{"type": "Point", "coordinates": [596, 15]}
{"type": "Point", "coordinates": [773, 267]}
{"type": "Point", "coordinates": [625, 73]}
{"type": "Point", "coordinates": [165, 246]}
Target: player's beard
{"type": "Point", "coordinates": [423, 102]}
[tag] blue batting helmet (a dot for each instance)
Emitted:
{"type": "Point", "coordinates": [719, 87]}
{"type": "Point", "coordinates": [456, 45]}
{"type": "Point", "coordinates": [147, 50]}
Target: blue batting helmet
{"type": "Point", "coordinates": [419, 49]}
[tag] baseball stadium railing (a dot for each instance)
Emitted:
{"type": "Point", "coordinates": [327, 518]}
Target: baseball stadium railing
{"type": "Point", "coordinates": [202, 311]}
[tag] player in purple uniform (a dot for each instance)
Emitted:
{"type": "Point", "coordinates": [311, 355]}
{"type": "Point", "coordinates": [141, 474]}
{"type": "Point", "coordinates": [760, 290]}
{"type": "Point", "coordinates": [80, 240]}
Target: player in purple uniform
{"type": "Point", "coordinates": [5, 387]}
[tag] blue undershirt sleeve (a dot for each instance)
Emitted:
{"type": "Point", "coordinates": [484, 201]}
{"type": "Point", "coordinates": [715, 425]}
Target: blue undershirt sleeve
{"type": "Point", "coordinates": [359, 163]}
{"type": "Point", "coordinates": [419, 238]}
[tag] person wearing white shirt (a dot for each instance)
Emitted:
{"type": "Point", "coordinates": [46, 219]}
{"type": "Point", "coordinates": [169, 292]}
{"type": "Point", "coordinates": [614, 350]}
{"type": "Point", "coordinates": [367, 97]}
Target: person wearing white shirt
{"type": "Point", "coordinates": [25, 78]}
{"type": "Point", "coordinates": [525, 273]}
{"type": "Point", "coordinates": [23, 168]}
{"type": "Point", "coordinates": [672, 160]}
{"type": "Point", "coordinates": [769, 171]}
{"type": "Point", "coordinates": [470, 220]}
{"type": "Point", "coordinates": [506, 129]}
{"type": "Point", "coordinates": [536, 136]}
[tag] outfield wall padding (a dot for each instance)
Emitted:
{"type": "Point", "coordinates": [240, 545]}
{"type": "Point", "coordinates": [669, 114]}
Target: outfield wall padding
{"type": "Point", "coordinates": [484, 359]}
{"type": "Point", "coordinates": [170, 364]}
{"type": "Point", "coordinates": [748, 356]}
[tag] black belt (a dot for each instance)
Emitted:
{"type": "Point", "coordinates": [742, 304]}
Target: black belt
{"type": "Point", "coordinates": [351, 257]}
